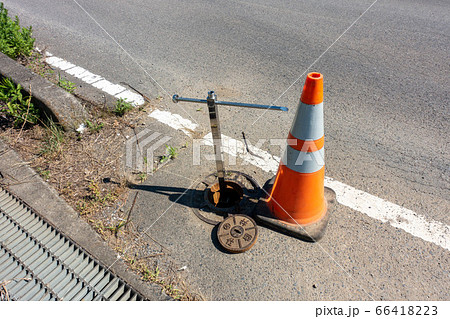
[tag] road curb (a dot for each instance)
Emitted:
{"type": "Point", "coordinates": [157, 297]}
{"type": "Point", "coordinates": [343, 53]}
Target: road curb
{"type": "Point", "coordinates": [22, 181]}
{"type": "Point", "coordinates": [53, 100]}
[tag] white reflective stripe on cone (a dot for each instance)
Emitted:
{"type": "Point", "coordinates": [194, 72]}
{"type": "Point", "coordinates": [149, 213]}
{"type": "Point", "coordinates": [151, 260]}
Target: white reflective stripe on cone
{"type": "Point", "coordinates": [303, 162]}
{"type": "Point", "coordinates": [308, 122]}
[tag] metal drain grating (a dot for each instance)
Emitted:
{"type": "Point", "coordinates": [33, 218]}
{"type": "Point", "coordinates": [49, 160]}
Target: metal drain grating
{"type": "Point", "coordinates": [38, 263]}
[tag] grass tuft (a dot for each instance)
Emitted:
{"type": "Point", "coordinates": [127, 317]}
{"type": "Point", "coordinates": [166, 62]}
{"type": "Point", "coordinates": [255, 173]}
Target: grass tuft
{"type": "Point", "coordinates": [54, 139]}
{"type": "Point", "coordinates": [17, 105]}
{"type": "Point", "coordinates": [66, 84]}
{"type": "Point", "coordinates": [14, 40]}
{"type": "Point", "coordinates": [122, 106]}
{"type": "Point", "coordinates": [171, 153]}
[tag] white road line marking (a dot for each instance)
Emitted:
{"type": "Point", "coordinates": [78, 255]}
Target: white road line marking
{"type": "Point", "coordinates": [397, 216]}
{"type": "Point", "coordinates": [89, 77]}
{"type": "Point", "coordinates": [175, 121]}
{"type": "Point", "coordinates": [358, 200]}
{"type": "Point", "coordinates": [95, 80]}
{"type": "Point", "coordinates": [60, 63]}
{"type": "Point", "coordinates": [77, 72]}
{"type": "Point", "coordinates": [131, 96]}
{"type": "Point", "coordinates": [114, 89]}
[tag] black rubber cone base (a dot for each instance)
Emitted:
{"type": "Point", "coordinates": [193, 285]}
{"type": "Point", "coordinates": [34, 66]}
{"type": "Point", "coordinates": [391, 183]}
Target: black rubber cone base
{"type": "Point", "coordinates": [311, 233]}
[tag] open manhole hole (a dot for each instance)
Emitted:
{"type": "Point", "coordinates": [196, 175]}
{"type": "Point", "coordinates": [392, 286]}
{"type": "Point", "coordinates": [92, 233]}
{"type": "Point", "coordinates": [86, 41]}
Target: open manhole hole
{"type": "Point", "coordinates": [225, 198]}
{"type": "Point", "coordinates": [240, 197]}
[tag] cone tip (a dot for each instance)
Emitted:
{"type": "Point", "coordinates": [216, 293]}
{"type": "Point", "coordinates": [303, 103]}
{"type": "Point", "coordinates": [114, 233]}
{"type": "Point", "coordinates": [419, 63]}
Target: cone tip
{"type": "Point", "coordinates": [315, 76]}
{"type": "Point", "coordinates": [313, 89]}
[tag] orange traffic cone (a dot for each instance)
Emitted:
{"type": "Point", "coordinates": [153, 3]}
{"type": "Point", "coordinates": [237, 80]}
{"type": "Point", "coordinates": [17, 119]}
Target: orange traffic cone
{"type": "Point", "coordinates": [295, 200]}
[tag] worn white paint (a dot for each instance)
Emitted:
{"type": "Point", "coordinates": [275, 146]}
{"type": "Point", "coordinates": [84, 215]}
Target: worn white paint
{"type": "Point", "coordinates": [95, 80]}
{"type": "Point", "coordinates": [175, 121]}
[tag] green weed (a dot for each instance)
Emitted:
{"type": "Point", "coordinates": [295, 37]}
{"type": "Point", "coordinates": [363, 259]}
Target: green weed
{"type": "Point", "coordinates": [14, 40]}
{"type": "Point", "coordinates": [150, 275]}
{"type": "Point", "coordinates": [66, 84]}
{"type": "Point", "coordinates": [142, 176]}
{"type": "Point", "coordinates": [115, 229]}
{"type": "Point", "coordinates": [94, 127]}
{"type": "Point", "coordinates": [172, 291]}
{"type": "Point", "coordinates": [98, 225]}
{"type": "Point", "coordinates": [17, 105]}
{"type": "Point", "coordinates": [171, 153]}
{"type": "Point", "coordinates": [96, 194]}
{"type": "Point", "coordinates": [122, 106]}
{"type": "Point", "coordinates": [44, 174]}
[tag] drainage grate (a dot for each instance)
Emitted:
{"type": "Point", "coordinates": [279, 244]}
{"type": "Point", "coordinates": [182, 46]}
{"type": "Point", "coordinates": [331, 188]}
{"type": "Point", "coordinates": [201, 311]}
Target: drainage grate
{"type": "Point", "coordinates": [38, 263]}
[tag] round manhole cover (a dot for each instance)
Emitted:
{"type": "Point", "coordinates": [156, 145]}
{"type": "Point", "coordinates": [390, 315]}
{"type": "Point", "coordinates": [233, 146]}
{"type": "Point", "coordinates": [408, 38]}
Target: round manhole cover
{"type": "Point", "coordinates": [237, 233]}
{"type": "Point", "coordinates": [241, 197]}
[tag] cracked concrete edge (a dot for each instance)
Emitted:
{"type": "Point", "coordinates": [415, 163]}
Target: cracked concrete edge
{"type": "Point", "coordinates": [62, 106]}
{"type": "Point", "coordinates": [22, 181]}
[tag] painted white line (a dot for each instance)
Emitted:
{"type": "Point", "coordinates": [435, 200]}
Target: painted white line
{"type": "Point", "coordinates": [60, 63]}
{"type": "Point", "coordinates": [358, 200]}
{"type": "Point", "coordinates": [175, 121]}
{"type": "Point", "coordinates": [131, 96]}
{"type": "Point", "coordinates": [89, 77]}
{"type": "Point", "coordinates": [114, 89]}
{"type": "Point", "coordinates": [76, 72]}
{"type": "Point", "coordinates": [395, 215]}
{"type": "Point", "coordinates": [95, 80]}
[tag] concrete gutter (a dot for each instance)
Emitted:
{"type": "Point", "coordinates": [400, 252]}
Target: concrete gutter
{"type": "Point", "coordinates": [53, 100]}
{"type": "Point", "coordinates": [22, 181]}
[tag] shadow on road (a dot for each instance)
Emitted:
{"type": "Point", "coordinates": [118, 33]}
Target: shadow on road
{"type": "Point", "coordinates": [187, 197]}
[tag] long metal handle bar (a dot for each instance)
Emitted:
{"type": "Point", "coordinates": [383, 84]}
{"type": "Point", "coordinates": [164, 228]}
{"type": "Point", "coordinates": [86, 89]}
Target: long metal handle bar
{"type": "Point", "coordinates": [212, 103]}
{"type": "Point", "coordinates": [177, 98]}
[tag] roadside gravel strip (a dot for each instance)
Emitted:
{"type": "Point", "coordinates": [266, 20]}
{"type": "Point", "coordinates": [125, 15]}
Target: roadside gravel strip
{"type": "Point", "coordinates": [358, 200]}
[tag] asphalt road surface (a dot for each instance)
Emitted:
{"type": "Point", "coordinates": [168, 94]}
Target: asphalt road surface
{"type": "Point", "coordinates": [386, 86]}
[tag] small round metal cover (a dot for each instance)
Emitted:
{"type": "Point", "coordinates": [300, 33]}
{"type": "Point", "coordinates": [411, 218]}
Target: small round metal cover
{"type": "Point", "coordinates": [237, 233]}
